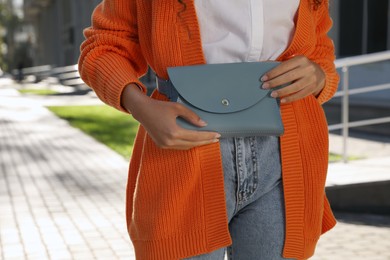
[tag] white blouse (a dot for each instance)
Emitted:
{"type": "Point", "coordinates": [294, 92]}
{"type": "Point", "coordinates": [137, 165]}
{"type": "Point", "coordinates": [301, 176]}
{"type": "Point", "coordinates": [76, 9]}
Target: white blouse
{"type": "Point", "coordinates": [245, 30]}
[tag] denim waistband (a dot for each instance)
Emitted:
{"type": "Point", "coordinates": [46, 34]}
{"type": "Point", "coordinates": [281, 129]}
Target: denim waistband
{"type": "Point", "coordinates": [166, 87]}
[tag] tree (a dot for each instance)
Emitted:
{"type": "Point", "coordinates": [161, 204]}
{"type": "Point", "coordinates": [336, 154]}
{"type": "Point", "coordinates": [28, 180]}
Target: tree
{"type": "Point", "coordinates": [8, 24]}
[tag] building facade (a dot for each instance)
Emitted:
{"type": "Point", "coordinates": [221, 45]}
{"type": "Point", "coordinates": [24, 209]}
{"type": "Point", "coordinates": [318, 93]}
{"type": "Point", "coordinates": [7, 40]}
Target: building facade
{"type": "Point", "coordinates": [58, 26]}
{"type": "Point", "coordinates": [360, 27]}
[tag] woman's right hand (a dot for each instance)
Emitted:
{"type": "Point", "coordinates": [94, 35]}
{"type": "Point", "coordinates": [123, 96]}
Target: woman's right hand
{"type": "Point", "coordinates": [159, 120]}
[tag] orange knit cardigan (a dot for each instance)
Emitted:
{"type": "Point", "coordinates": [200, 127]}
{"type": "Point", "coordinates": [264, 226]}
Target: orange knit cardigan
{"type": "Point", "coordinates": [175, 204]}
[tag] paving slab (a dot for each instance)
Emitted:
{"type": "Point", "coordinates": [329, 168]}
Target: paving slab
{"type": "Point", "coordinates": [62, 192]}
{"type": "Point", "coordinates": [359, 171]}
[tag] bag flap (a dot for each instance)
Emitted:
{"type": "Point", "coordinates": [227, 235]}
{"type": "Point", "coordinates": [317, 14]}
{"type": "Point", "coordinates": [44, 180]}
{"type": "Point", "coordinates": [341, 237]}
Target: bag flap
{"type": "Point", "coordinates": [221, 88]}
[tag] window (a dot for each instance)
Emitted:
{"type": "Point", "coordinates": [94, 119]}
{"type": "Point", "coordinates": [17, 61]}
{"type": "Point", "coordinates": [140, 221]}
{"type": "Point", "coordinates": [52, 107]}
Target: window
{"type": "Point", "coordinates": [363, 26]}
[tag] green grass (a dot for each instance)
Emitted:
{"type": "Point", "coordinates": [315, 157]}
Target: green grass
{"type": "Point", "coordinates": [107, 125]}
{"type": "Point", "coordinates": [338, 158]}
{"type": "Point", "coordinates": [41, 92]}
{"type": "Point", "coordinates": [335, 157]}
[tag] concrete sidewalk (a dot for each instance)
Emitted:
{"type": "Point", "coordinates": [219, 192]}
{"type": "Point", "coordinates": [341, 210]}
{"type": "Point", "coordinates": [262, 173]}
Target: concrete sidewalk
{"type": "Point", "coordinates": [62, 194]}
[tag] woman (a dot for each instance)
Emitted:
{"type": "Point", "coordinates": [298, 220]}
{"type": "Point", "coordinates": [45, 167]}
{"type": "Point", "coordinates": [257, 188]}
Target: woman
{"type": "Point", "coordinates": [192, 193]}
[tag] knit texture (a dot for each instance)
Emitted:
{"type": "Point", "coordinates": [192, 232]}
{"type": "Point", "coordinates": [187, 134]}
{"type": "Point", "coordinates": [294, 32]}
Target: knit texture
{"type": "Point", "coordinates": [175, 205]}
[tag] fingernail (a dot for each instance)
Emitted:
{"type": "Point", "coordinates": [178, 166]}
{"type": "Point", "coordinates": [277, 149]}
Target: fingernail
{"type": "Point", "coordinates": [265, 86]}
{"type": "Point", "coordinates": [218, 136]}
{"type": "Point", "coordinates": [274, 94]}
{"type": "Point", "coordinates": [203, 123]}
{"type": "Point", "coordinates": [215, 140]}
{"type": "Point", "coordinates": [264, 78]}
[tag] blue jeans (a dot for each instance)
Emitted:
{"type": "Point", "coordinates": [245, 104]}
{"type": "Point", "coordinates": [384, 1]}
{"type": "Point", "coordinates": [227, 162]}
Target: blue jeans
{"type": "Point", "coordinates": [254, 199]}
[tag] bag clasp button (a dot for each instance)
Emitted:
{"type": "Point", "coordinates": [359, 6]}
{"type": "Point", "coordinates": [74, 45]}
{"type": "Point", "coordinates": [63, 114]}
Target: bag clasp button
{"type": "Point", "coordinates": [225, 102]}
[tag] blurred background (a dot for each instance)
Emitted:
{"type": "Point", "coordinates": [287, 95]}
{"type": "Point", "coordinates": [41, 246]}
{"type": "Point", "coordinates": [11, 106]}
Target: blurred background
{"type": "Point", "coordinates": [64, 155]}
{"type": "Point", "coordinates": [50, 31]}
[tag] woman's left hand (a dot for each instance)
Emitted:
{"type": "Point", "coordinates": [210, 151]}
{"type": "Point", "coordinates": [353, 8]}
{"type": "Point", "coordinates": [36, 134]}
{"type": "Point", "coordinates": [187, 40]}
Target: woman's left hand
{"type": "Point", "coordinates": [306, 77]}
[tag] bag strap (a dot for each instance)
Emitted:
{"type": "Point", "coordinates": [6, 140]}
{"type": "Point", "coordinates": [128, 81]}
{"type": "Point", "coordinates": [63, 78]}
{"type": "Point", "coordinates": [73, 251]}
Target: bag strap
{"type": "Point", "coordinates": [166, 87]}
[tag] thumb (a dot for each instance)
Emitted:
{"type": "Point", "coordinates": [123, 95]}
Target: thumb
{"type": "Point", "coordinates": [191, 116]}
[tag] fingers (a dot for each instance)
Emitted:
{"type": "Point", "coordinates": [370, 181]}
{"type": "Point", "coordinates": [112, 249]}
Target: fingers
{"type": "Point", "coordinates": [180, 138]}
{"type": "Point", "coordinates": [186, 145]}
{"type": "Point", "coordinates": [284, 67]}
{"type": "Point", "coordinates": [189, 115]}
{"type": "Point", "coordinates": [288, 71]}
{"type": "Point", "coordinates": [296, 96]}
{"type": "Point", "coordinates": [297, 86]}
{"type": "Point", "coordinates": [305, 76]}
{"type": "Point", "coordinates": [174, 137]}
{"type": "Point", "coordinates": [198, 136]}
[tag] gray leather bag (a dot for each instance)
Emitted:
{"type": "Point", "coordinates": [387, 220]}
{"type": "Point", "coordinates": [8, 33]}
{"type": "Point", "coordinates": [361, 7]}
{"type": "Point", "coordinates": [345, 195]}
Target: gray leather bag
{"type": "Point", "coordinates": [228, 97]}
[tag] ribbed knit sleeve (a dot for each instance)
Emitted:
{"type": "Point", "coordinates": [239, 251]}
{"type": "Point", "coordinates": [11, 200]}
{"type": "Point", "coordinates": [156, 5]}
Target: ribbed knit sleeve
{"type": "Point", "coordinates": [111, 56]}
{"type": "Point", "coordinates": [324, 53]}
